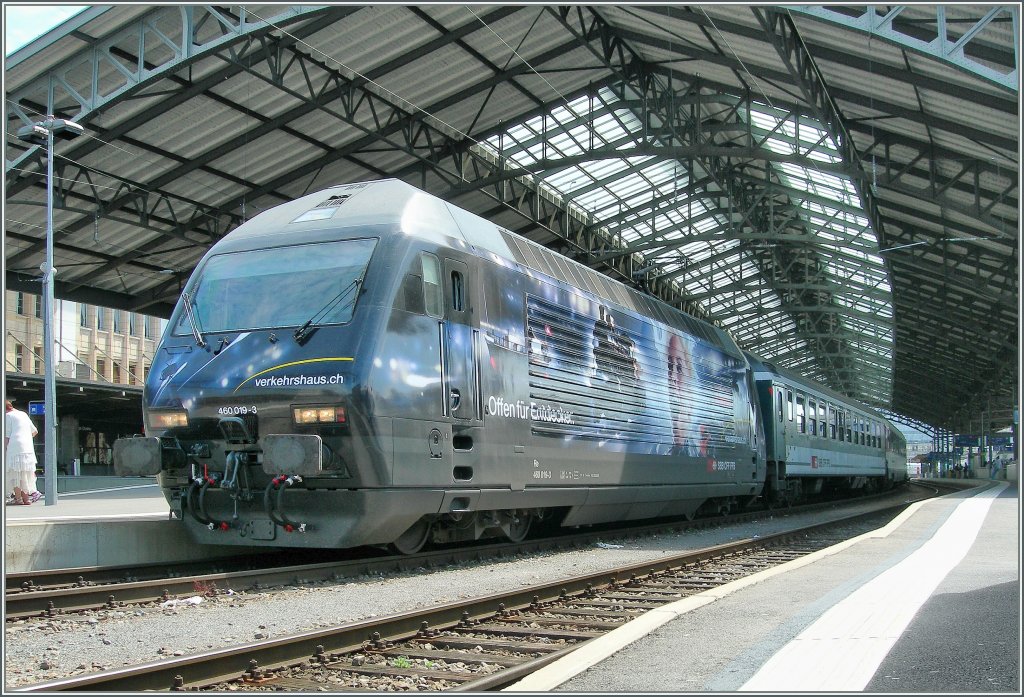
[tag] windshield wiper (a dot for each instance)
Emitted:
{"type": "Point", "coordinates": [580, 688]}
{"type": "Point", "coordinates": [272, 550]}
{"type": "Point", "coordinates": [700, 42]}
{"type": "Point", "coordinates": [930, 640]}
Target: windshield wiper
{"type": "Point", "coordinates": [303, 332]}
{"type": "Point", "coordinates": [196, 331]}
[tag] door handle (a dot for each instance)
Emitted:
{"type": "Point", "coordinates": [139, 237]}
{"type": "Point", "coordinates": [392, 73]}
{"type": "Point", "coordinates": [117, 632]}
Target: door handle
{"type": "Point", "coordinates": [456, 400]}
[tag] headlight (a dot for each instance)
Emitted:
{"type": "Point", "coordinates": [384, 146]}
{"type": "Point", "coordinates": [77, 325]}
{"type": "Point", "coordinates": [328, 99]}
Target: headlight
{"type": "Point", "coordinates": [319, 415]}
{"type": "Point", "coordinates": [167, 419]}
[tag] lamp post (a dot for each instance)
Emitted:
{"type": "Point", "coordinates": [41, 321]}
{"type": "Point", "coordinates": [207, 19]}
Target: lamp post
{"type": "Point", "coordinates": [43, 133]}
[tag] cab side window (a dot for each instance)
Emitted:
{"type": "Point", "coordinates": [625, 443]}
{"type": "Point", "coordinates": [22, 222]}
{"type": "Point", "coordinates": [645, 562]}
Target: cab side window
{"type": "Point", "coordinates": [421, 288]}
{"type": "Point", "coordinates": [432, 292]}
{"type": "Point", "coordinates": [410, 295]}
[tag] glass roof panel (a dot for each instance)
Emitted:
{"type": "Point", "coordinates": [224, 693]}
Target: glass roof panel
{"type": "Point", "coordinates": [649, 201]}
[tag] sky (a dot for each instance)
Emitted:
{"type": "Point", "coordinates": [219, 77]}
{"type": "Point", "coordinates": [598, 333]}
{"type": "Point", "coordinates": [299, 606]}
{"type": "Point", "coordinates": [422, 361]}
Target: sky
{"type": "Point", "coordinates": [23, 23]}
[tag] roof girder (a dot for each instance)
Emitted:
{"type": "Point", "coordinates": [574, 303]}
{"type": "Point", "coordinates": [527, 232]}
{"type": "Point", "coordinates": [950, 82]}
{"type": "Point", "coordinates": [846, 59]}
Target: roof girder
{"type": "Point", "coordinates": [913, 36]}
{"type": "Point", "coordinates": [85, 91]}
{"type": "Point", "coordinates": [612, 45]}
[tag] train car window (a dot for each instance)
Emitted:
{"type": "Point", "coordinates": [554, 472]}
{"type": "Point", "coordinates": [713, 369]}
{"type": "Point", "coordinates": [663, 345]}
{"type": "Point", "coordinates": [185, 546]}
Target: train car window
{"type": "Point", "coordinates": [821, 419]}
{"type": "Point", "coordinates": [789, 404]}
{"type": "Point", "coordinates": [458, 292]}
{"type": "Point", "coordinates": [849, 428]}
{"type": "Point", "coordinates": [432, 297]}
{"type": "Point", "coordinates": [801, 417]}
{"type": "Point", "coordinates": [782, 412]}
{"type": "Point", "coordinates": [831, 421]}
{"type": "Point", "coordinates": [812, 416]}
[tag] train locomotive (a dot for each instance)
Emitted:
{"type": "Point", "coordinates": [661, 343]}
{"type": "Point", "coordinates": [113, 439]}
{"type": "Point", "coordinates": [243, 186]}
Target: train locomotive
{"type": "Point", "coordinates": [371, 365]}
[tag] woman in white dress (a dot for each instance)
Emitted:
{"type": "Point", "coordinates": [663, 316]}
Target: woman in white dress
{"type": "Point", "coordinates": [19, 456]}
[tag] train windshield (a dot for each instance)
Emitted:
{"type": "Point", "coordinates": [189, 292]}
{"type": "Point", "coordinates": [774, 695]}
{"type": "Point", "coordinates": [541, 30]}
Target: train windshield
{"type": "Point", "coordinates": [277, 287]}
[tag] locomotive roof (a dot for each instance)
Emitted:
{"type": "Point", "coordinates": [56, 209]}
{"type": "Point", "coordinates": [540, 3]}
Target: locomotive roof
{"type": "Point", "coordinates": [394, 203]}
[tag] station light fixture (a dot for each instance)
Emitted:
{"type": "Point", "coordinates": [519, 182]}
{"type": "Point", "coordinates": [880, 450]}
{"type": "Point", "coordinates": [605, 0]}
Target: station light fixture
{"type": "Point", "coordinates": [43, 133]}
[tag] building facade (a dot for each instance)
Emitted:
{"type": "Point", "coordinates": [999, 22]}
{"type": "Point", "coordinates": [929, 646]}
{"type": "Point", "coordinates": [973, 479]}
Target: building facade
{"type": "Point", "coordinates": [97, 349]}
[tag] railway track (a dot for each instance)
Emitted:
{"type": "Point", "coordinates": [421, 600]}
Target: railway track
{"type": "Point", "coordinates": [477, 645]}
{"type": "Point", "coordinates": [61, 591]}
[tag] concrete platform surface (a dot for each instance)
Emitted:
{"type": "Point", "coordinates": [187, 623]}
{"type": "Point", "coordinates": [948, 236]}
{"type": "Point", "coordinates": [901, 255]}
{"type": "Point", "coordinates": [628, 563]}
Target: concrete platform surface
{"type": "Point", "coordinates": [113, 499]}
{"type": "Point", "coordinates": [118, 521]}
{"type": "Point", "coordinates": [930, 603]}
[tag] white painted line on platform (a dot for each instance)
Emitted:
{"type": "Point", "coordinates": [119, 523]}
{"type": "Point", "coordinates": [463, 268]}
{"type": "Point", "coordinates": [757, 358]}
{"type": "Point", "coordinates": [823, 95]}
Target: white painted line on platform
{"type": "Point", "coordinates": [65, 494]}
{"type": "Point", "coordinates": [85, 518]}
{"type": "Point", "coordinates": [596, 650]}
{"type": "Point", "coordinates": [842, 649]}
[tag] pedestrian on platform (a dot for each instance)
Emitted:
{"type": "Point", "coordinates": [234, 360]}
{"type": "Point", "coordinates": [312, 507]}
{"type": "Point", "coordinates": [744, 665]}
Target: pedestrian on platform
{"type": "Point", "coordinates": [19, 457]}
{"type": "Point", "coordinates": [993, 472]}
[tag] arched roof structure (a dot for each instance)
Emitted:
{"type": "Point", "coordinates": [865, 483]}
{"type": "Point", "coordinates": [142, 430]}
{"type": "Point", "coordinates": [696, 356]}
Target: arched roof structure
{"type": "Point", "coordinates": [837, 187]}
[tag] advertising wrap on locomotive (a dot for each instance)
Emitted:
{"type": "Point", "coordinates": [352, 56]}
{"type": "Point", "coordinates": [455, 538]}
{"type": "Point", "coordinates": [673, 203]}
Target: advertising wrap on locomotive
{"type": "Point", "coordinates": [371, 365]}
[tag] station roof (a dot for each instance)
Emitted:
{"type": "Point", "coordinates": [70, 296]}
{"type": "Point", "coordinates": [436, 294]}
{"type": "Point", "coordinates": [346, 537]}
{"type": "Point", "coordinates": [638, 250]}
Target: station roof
{"type": "Point", "coordinates": [837, 187]}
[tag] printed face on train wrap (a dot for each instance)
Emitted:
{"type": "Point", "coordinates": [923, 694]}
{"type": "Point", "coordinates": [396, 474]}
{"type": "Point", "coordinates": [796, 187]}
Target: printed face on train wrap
{"type": "Point", "coordinates": [617, 381]}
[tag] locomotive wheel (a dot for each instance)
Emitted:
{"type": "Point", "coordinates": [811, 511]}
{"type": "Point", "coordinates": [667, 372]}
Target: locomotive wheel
{"type": "Point", "coordinates": [413, 539]}
{"type": "Point", "coordinates": [518, 526]}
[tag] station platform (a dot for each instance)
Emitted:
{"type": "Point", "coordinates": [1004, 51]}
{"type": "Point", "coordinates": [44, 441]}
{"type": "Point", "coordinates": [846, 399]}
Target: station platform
{"type": "Point", "coordinates": [99, 521]}
{"type": "Point", "coordinates": [929, 603]}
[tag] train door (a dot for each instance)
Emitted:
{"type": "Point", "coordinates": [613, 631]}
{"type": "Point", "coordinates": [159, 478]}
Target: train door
{"type": "Point", "coordinates": [781, 412]}
{"type": "Point", "coordinates": [460, 344]}
{"type": "Point", "coordinates": [775, 428]}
